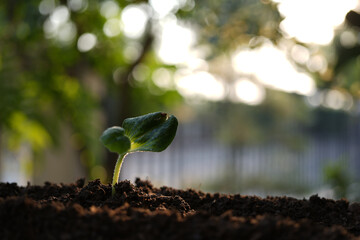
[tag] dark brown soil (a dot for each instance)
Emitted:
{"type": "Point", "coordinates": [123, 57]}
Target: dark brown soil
{"type": "Point", "coordinates": [73, 211]}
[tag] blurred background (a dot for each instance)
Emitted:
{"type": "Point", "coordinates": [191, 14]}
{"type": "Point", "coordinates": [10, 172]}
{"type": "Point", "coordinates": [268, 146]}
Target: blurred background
{"type": "Point", "coordinates": [266, 92]}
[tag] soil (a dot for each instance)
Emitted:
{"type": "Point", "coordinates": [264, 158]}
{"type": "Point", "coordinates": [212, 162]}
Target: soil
{"type": "Point", "coordinates": [141, 211]}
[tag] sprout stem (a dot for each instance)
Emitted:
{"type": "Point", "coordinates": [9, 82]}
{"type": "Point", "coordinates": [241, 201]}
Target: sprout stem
{"type": "Point", "coordinates": [117, 171]}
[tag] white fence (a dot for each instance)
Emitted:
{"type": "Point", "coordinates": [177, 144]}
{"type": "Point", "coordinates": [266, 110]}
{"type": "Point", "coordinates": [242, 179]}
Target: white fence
{"type": "Point", "coordinates": [194, 160]}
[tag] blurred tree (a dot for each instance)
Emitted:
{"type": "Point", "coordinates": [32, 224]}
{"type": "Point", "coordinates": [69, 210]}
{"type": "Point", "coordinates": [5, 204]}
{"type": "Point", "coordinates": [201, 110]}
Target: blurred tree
{"type": "Point", "coordinates": [228, 24]}
{"type": "Point", "coordinates": [39, 90]}
{"type": "Point", "coordinates": [48, 79]}
{"type": "Point", "coordinates": [346, 64]}
{"type": "Point", "coordinates": [69, 62]}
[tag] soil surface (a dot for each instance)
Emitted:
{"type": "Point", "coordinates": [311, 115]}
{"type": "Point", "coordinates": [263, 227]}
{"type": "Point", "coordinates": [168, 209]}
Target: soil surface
{"type": "Point", "coordinates": [141, 211]}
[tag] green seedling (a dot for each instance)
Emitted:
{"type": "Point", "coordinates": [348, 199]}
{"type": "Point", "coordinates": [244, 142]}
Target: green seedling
{"type": "Point", "coordinates": [152, 132]}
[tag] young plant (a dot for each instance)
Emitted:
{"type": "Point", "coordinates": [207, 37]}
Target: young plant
{"type": "Point", "coordinates": [152, 132]}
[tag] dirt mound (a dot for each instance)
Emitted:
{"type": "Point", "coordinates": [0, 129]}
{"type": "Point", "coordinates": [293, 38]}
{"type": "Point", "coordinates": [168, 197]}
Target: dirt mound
{"type": "Point", "coordinates": [141, 211]}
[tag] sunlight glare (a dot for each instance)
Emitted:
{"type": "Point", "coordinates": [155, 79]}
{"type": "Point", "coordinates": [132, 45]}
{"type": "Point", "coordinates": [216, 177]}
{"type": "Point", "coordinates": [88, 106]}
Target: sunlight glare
{"type": "Point", "coordinates": [164, 7]}
{"type": "Point", "coordinates": [312, 21]}
{"type": "Point", "coordinates": [248, 92]}
{"type": "Point", "coordinates": [272, 68]}
{"type": "Point", "coordinates": [134, 19]}
{"type": "Point", "coordinates": [200, 84]}
{"type": "Point", "coordinates": [175, 43]}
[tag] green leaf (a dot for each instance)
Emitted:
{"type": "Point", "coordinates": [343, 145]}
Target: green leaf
{"type": "Point", "coordinates": [151, 132]}
{"type": "Point", "coordinates": [115, 140]}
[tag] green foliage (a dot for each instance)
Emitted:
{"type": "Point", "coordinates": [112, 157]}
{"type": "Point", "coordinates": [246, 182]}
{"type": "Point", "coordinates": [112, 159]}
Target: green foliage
{"type": "Point", "coordinates": [337, 175]}
{"type": "Point", "coordinates": [47, 83]}
{"type": "Point", "coordinates": [151, 132]}
{"type": "Point", "coordinates": [37, 91]}
{"type": "Point", "coordinates": [228, 24]}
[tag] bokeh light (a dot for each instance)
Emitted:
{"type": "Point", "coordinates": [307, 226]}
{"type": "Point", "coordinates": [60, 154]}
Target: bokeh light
{"type": "Point", "coordinates": [86, 42]}
{"type": "Point", "coordinates": [134, 19]}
